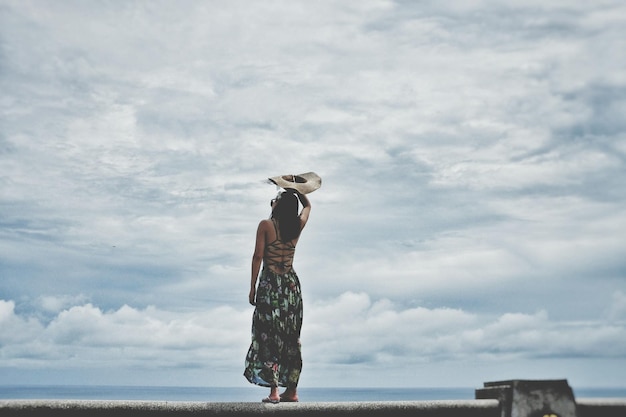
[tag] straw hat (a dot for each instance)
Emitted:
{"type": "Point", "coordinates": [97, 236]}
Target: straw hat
{"type": "Point", "coordinates": [303, 183]}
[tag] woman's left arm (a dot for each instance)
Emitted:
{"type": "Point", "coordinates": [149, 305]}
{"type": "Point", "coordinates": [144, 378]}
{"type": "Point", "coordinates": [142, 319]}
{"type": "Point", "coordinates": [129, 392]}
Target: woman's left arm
{"type": "Point", "coordinates": [257, 259]}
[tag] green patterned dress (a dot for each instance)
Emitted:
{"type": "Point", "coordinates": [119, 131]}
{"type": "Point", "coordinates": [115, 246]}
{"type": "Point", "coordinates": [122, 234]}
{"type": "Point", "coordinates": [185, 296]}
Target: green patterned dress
{"type": "Point", "coordinates": [275, 357]}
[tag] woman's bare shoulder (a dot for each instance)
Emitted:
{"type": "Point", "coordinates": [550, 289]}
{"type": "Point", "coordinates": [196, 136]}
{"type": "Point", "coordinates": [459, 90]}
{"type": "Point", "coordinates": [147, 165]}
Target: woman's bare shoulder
{"type": "Point", "coordinates": [265, 224]}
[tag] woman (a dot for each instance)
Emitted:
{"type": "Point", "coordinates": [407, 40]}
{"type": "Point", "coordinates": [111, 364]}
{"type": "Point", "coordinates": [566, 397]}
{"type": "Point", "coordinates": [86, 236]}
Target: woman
{"type": "Point", "coordinates": [274, 358]}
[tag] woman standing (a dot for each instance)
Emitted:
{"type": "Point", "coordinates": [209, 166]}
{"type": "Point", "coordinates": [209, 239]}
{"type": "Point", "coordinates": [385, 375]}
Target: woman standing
{"type": "Point", "coordinates": [274, 358]}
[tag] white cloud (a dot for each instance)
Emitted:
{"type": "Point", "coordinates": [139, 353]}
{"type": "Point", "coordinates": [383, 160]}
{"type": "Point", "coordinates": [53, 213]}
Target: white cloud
{"type": "Point", "coordinates": [351, 330]}
{"type": "Point", "coordinates": [617, 307]}
{"type": "Point", "coordinates": [15, 329]}
{"type": "Point", "coordinates": [85, 335]}
{"type": "Point", "coordinates": [55, 304]}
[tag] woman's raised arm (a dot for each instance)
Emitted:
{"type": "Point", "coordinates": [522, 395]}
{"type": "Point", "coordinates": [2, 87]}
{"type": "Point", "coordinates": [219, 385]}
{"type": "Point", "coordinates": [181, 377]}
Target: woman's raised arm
{"type": "Point", "coordinates": [306, 208]}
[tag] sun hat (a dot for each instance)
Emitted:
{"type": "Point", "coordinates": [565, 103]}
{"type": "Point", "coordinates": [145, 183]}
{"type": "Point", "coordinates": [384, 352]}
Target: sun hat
{"type": "Point", "coordinates": [303, 183]}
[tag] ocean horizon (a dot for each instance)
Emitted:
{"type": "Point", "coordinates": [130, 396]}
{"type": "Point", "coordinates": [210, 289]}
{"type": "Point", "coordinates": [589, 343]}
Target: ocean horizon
{"type": "Point", "coordinates": [254, 393]}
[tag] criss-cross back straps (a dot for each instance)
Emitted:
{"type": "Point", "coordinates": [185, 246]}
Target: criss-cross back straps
{"type": "Point", "coordinates": [279, 255]}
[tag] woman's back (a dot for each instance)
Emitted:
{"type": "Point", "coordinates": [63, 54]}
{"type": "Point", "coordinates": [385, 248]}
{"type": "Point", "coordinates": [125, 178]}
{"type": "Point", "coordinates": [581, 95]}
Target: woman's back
{"type": "Point", "coordinates": [278, 255]}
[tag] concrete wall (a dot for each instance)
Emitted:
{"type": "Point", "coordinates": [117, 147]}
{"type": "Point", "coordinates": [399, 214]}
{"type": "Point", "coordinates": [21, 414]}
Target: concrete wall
{"type": "Point", "coordinates": [470, 408]}
{"type": "Point", "coordinates": [461, 408]}
{"type": "Point", "coordinates": [601, 407]}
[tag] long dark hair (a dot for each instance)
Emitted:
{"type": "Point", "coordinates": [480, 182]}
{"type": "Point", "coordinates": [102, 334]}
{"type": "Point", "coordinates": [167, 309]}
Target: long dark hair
{"type": "Point", "coordinates": [286, 214]}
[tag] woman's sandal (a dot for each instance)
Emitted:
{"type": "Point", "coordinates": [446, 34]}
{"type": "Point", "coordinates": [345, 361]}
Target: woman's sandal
{"type": "Point", "coordinates": [270, 400]}
{"type": "Point", "coordinates": [284, 399]}
{"type": "Point", "coordinates": [288, 400]}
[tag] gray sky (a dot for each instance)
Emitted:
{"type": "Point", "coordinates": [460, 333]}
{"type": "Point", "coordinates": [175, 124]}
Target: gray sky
{"type": "Point", "coordinates": [471, 225]}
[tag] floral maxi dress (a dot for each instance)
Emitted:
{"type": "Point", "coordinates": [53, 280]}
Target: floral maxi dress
{"type": "Point", "coordinates": [275, 358]}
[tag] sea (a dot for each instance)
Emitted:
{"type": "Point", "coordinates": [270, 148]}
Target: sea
{"type": "Point", "coordinates": [253, 393]}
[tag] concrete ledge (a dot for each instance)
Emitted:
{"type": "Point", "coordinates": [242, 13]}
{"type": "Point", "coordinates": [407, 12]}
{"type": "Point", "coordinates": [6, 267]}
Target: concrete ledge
{"type": "Point", "coordinates": [460, 408]}
{"type": "Point", "coordinates": [601, 407]}
{"type": "Point", "coordinates": [586, 407]}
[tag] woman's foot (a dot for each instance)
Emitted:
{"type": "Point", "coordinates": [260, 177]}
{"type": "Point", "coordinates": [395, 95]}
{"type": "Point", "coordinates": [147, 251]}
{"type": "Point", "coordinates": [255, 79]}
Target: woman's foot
{"type": "Point", "coordinates": [270, 400]}
{"type": "Point", "coordinates": [273, 398]}
{"type": "Point", "coordinates": [289, 396]}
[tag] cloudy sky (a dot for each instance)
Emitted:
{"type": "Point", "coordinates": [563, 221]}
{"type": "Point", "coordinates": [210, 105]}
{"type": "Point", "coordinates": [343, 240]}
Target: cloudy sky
{"type": "Point", "coordinates": [471, 225]}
